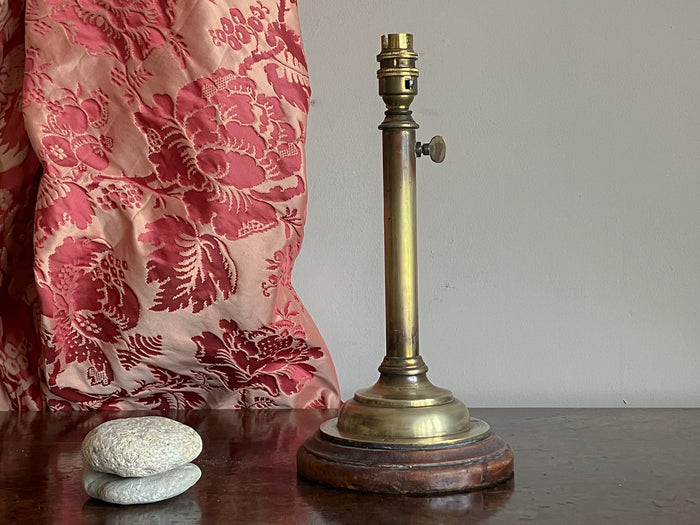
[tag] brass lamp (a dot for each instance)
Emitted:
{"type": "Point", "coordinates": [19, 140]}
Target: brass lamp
{"type": "Point", "coordinates": [403, 434]}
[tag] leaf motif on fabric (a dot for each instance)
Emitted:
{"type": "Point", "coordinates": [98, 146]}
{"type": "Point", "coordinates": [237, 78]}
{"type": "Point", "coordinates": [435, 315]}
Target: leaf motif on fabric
{"type": "Point", "coordinates": [289, 84]}
{"type": "Point", "coordinates": [319, 403]}
{"type": "Point", "coordinates": [191, 270]}
{"type": "Point", "coordinates": [13, 138]}
{"type": "Point", "coordinates": [139, 348]}
{"type": "Point", "coordinates": [169, 390]}
{"type": "Point", "coordinates": [293, 221]}
{"type": "Point", "coordinates": [73, 398]}
{"type": "Point", "coordinates": [281, 265]}
{"type": "Point", "coordinates": [258, 402]}
{"type": "Point", "coordinates": [56, 198]}
{"type": "Point", "coordinates": [289, 74]}
{"type": "Point", "coordinates": [127, 30]}
{"type": "Point", "coordinates": [35, 77]}
{"type": "Point", "coordinates": [165, 397]}
{"type": "Point", "coordinates": [285, 322]}
{"type": "Point", "coordinates": [130, 81]}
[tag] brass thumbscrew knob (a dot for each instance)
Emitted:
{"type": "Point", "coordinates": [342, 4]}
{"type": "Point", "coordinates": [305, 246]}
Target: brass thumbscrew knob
{"type": "Point", "coordinates": [436, 148]}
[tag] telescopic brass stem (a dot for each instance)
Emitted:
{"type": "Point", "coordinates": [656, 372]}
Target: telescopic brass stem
{"type": "Point", "coordinates": [400, 264]}
{"type": "Point", "coordinates": [398, 84]}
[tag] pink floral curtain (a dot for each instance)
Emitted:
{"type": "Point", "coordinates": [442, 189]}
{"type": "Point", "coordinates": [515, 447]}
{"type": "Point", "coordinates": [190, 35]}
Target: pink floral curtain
{"type": "Point", "coordinates": [152, 204]}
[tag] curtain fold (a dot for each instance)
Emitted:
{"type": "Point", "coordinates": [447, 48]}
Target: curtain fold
{"type": "Point", "coordinates": [153, 200]}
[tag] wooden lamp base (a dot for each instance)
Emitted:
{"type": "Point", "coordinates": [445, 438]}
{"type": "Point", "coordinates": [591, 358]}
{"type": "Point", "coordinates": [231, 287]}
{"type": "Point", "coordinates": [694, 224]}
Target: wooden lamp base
{"type": "Point", "coordinates": [472, 465]}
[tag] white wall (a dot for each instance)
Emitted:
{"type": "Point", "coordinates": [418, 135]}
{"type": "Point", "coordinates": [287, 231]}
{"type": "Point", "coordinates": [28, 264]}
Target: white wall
{"type": "Point", "coordinates": [559, 243]}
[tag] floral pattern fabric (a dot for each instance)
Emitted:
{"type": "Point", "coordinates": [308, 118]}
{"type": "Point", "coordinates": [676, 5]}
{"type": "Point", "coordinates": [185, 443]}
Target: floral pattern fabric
{"type": "Point", "coordinates": [152, 204]}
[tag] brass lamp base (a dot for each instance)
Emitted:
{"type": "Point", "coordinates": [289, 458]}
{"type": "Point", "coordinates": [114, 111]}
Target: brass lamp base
{"type": "Point", "coordinates": [472, 464]}
{"type": "Point", "coordinates": [405, 436]}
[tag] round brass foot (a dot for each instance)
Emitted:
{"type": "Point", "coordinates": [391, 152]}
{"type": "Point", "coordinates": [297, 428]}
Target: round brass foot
{"type": "Point", "coordinates": [468, 465]}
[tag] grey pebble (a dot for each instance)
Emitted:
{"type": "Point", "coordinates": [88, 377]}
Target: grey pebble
{"type": "Point", "coordinates": [148, 489]}
{"type": "Point", "coordinates": [140, 446]}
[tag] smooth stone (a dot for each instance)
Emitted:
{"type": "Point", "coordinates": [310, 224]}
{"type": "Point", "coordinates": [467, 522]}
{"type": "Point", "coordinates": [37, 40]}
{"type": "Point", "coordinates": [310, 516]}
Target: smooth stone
{"type": "Point", "coordinates": [140, 446]}
{"type": "Point", "coordinates": [147, 489]}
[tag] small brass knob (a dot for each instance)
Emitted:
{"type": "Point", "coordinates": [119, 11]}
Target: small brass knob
{"type": "Point", "coordinates": [436, 148]}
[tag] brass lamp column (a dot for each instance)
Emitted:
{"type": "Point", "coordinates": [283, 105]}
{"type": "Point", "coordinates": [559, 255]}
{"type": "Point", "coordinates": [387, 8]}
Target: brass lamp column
{"type": "Point", "coordinates": [403, 434]}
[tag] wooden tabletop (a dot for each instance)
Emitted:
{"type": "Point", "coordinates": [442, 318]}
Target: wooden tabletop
{"type": "Point", "coordinates": [571, 466]}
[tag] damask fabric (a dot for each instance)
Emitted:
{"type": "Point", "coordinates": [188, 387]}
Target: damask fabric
{"type": "Point", "coordinates": [160, 184]}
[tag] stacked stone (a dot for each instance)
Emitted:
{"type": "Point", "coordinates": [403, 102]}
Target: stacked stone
{"type": "Point", "coordinates": [140, 460]}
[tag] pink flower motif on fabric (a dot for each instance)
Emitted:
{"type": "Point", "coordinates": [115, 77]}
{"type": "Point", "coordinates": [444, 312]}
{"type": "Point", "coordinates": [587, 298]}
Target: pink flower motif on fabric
{"type": "Point", "coordinates": [126, 29]}
{"type": "Point", "coordinates": [271, 42]}
{"type": "Point", "coordinates": [70, 139]}
{"type": "Point", "coordinates": [264, 359]}
{"type": "Point", "coordinates": [139, 181]}
{"type": "Point", "coordinates": [71, 145]}
{"type": "Point", "coordinates": [90, 303]}
{"type": "Point", "coordinates": [281, 264]}
{"type": "Point", "coordinates": [226, 151]}
{"type": "Point", "coordinates": [54, 198]}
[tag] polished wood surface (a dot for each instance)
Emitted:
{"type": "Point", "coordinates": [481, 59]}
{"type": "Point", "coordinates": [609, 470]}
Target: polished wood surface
{"type": "Point", "coordinates": [571, 466]}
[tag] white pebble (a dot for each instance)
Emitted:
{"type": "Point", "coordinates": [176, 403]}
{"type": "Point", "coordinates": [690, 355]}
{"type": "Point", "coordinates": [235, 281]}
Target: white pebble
{"type": "Point", "coordinates": [140, 446]}
{"type": "Point", "coordinates": [148, 489]}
